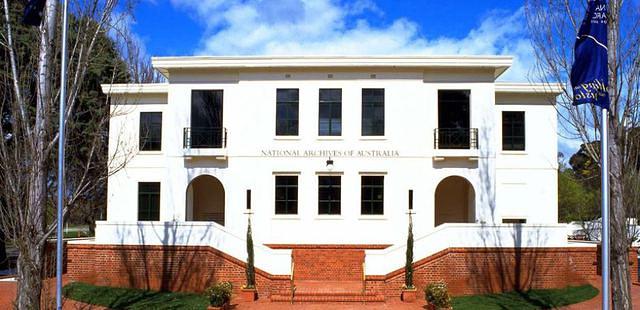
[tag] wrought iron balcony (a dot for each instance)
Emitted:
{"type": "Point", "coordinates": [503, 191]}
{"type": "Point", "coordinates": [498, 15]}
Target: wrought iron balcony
{"type": "Point", "coordinates": [205, 138]}
{"type": "Point", "coordinates": [455, 138]}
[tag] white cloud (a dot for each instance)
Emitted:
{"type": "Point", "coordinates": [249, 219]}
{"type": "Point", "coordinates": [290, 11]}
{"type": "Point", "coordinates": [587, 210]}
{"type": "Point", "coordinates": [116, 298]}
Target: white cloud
{"type": "Point", "coordinates": [323, 27]}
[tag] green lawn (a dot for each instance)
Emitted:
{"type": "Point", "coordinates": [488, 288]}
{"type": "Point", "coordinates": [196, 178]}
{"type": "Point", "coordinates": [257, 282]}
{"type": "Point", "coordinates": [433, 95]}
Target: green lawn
{"type": "Point", "coordinates": [534, 299]}
{"type": "Point", "coordinates": [126, 298]}
{"type": "Point", "coordinates": [77, 234]}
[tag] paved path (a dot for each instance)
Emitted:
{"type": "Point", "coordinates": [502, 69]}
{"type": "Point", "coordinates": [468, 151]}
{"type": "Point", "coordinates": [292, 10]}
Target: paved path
{"type": "Point", "coordinates": [8, 295]}
{"type": "Point", "coordinates": [596, 302]}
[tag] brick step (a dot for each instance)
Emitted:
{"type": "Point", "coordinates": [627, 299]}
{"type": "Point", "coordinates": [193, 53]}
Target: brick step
{"type": "Point", "coordinates": [328, 298]}
{"type": "Point", "coordinates": [328, 286]}
{"type": "Point", "coordinates": [326, 293]}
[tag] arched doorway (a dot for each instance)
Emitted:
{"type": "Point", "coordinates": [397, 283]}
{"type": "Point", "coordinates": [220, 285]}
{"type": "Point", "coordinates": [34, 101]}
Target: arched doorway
{"type": "Point", "coordinates": [454, 201]}
{"type": "Point", "coordinates": [205, 200]}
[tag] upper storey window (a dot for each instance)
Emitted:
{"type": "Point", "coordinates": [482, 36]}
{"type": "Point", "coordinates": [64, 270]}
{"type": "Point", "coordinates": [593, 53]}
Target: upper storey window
{"type": "Point", "coordinates": [373, 112]}
{"type": "Point", "coordinates": [513, 131]}
{"type": "Point", "coordinates": [454, 121]}
{"type": "Point", "coordinates": [206, 129]}
{"type": "Point", "coordinates": [287, 102]}
{"type": "Point", "coordinates": [150, 131]}
{"type": "Point", "coordinates": [330, 108]}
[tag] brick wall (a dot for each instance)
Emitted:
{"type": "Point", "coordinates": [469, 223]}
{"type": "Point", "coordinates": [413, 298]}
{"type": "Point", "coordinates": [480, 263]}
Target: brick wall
{"type": "Point", "coordinates": [174, 268]}
{"type": "Point", "coordinates": [466, 270]}
{"type": "Point", "coordinates": [333, 264]}
{"type": "Point", "coordinates": [488, 270]}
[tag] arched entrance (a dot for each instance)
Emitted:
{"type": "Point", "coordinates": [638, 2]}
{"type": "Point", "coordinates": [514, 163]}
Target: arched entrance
{"type": "Point", "coordinates": [454, 201]}
{"type": "Point", "coordinates": [205, 200]}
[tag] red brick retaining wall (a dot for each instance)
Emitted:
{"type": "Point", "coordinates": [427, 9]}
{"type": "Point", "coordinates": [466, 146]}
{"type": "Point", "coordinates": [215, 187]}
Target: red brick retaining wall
{"type": "Point", "coordinates": [329, 264]}
{"type": "Point", "coordinates": [171, 268]}
{"type": "Point", "coordinates": [489, 270]}
{"type": "Point", "coordinates": [466, 270]}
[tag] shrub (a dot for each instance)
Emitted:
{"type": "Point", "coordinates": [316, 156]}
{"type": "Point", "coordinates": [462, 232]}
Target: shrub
{"type": "Point", "coordinates": [219, 294]}
{"type": "Point", "coordinates": [437, 294]}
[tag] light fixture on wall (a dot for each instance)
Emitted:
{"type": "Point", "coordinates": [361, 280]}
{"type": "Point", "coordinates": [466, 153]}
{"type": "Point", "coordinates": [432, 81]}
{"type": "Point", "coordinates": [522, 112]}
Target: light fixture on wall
{"type": "Point", "coordinates": [330, 164]}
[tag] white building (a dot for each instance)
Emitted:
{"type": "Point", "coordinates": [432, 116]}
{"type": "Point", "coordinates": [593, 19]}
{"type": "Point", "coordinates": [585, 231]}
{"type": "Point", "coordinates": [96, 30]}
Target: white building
{"type": "Point", "coordinates": [333, 151]}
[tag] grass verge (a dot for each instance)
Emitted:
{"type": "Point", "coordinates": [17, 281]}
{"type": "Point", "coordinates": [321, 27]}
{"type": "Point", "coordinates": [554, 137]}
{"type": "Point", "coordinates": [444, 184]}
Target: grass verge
{"type": "Point", "coordinates": [127, 298]}
{"type": "Point", "coordinates": [533, 299]}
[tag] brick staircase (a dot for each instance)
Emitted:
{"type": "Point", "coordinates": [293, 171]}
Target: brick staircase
{"type": "Point", "coordinates": [328, 275]}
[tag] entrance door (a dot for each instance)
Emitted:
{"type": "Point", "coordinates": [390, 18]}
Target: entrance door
{"type": "Point", "coordinates": [205, 200]}
{"type": "Point", "coordinates": [454, 201]}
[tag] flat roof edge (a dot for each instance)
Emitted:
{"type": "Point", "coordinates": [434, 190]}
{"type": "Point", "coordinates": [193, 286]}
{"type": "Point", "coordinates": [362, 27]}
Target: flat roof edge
{"type": "Point", "coordinates": [501, 87]}
{"type": "Point", "coordinates": [529, 88]}
{"type": "Point", "coordinates": [150, 88]}
{"type": "Point", "coordinates": [163, 64]}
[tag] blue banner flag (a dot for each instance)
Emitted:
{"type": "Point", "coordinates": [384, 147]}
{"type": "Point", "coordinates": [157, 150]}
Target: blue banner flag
{"type": "Point", "coordinates": [589, 74]}
{"type": "Point", "coordinates": [33, 12]}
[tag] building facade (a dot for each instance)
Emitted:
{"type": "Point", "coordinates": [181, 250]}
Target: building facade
{"type": "Point", "coordinates": [333, 153]}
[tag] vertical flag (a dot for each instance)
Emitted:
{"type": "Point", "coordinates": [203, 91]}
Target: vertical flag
{"type": "Point", "coordinates": [590, 79]}
{"type": "Point", "coordinates": [33, 12]}
{"type": "Point", "coordinates": [589, 74]}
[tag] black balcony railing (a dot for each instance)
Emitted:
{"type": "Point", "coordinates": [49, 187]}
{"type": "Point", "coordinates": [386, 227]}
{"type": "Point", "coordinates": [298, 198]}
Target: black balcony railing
{"type": "Point", "coordinates": [455, 138]}
{"type": "Point", "coordinates": [205, 137]}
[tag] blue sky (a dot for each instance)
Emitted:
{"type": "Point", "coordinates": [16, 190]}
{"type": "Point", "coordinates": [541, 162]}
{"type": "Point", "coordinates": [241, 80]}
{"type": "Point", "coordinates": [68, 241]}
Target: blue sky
{"type": "Point", "coordinates": [364, 27]}
{"type": "Point", "coordinates": [174, 27]}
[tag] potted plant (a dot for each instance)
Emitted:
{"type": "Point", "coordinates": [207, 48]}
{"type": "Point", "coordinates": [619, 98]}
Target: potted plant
{"type": "Point", "coordinates": [219, 295]}
{"type": "Point", "coordinates": [248, 291]}
{"type": "Point", "coordinates": [437, 296]}
{"type": "Point", "coordinates": [408, 289]}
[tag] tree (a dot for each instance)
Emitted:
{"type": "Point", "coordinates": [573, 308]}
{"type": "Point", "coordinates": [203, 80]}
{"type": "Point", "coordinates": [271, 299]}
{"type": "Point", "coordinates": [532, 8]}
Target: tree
{"type": "Point", "coordinates": [140, 68]}
{"type": "Point", "coordinates": [250, 271]}
{"type": "Point", "coordinates": [408, 266]}
{"type": "Point", "coordinates": [29, 96]}
{"type": "Point", "coordinates": [576, 202]}
{"type": "Point", "coordinates": [586, 167]}
{"type": "Point", "coordinates": [586, 171]}
{"type": "Point", "coordinates": [553, 25]}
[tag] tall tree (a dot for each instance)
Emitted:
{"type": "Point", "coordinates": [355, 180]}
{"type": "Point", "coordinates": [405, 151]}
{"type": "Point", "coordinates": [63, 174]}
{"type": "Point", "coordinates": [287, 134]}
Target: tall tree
{"type": "Point", "coordinates": [553, 25]}
{"type": "Point", "coordinates": [28, 97]}
{"type": "Point", "coordinates": [576, 202]}
{"type": "Point", "coordinates": [250, 269]}
{"type": "Point", "coordinates": [408, 265]}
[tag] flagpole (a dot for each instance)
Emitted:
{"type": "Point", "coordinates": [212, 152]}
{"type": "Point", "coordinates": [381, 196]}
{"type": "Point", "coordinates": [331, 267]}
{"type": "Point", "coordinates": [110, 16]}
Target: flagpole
{"type": "Point", "coordinates": [61, 136]}
{"type": "Point", "coordinates": [604, 150]}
